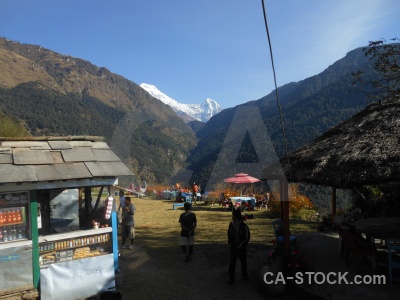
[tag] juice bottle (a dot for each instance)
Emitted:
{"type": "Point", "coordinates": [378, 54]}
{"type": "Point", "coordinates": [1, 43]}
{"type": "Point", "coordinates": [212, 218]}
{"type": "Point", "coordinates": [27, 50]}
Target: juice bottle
{"type": "Point", "coordinates": [23, 214]}
{"type": "Point", "coordinates": [1, 218]}
{"type": "Point", "coordinates": [9, 217]}
{"type": "Point", "coordinates": [18, 216]}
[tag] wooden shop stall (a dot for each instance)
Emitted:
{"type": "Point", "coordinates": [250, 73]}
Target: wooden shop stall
{"type": "Point", "coordinates": [58, 231]}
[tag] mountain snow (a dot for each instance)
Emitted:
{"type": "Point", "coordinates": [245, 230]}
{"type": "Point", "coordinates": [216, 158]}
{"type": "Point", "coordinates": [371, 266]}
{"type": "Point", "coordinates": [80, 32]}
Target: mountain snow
{"type": "Point", "coordinates": [201, 112]}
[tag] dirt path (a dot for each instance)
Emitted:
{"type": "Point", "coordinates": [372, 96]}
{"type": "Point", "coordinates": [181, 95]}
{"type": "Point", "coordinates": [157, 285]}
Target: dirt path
{"type": "Point", "coordinates": [162, 274]}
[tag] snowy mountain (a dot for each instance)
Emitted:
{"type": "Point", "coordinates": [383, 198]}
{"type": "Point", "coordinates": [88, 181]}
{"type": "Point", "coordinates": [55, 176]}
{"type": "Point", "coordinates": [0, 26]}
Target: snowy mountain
{"type": "Point", "coordinates": [200, 112]}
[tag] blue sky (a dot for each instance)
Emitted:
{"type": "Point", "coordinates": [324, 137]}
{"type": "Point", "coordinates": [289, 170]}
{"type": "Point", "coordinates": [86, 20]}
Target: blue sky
{"type": "Point", "coordinates": [197, 49]}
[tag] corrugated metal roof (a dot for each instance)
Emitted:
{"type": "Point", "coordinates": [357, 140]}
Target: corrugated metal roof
{"type": "Point", "coordinates": [48, 159]}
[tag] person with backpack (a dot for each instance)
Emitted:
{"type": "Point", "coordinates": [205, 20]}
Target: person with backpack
{"type": "Point", "coordinates": [188, 222]}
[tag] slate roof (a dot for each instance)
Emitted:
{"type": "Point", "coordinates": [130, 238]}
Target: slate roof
{"type": "Point", "coordinates": [43, 159]}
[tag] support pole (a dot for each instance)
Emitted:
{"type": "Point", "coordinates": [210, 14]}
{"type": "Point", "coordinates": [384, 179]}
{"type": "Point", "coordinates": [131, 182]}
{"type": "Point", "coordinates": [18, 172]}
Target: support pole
{"type": "Point", "coordinates": [333, 206]}
{"type": "Point", "coordinates": [285, 213]}
{"type": "Point", "coordinates": [35, 237]}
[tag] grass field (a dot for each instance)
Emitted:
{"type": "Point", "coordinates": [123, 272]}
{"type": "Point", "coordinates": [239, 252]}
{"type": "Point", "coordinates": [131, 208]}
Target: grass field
{"type": "Point", "coordinates": [157, 224]}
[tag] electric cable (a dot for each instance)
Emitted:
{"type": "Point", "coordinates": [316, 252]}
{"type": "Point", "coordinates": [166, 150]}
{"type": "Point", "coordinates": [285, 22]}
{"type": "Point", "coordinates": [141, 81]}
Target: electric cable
{"type": "Point", "coordinates": [276, 87]}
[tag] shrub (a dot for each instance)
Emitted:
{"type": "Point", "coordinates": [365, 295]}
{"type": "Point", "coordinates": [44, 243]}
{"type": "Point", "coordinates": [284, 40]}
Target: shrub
{"type": "Point", "coordinates": [297, 202]}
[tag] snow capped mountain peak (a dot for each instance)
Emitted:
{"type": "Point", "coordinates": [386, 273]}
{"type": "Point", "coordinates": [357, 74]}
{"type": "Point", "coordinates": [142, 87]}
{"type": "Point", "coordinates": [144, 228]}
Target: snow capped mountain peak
{"type": "Point", "coordinates": [201, 112]}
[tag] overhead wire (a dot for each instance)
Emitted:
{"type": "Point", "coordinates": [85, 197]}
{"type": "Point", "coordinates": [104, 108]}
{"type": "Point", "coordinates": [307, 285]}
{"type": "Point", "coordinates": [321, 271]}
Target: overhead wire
{"type": "Point", "coordinates": [276, 86]}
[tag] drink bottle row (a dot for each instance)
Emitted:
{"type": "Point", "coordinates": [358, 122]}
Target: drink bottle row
{"type": "Point", "coordinates": [12, 233]}
{"type": "Point", "coordinates": [14, 215]}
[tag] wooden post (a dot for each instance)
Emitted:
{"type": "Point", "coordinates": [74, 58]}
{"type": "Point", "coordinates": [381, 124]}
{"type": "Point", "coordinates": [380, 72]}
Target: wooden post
{"type": "Point", "coordinates": [333, 206]}
{"type": "Point", "coordinates": [285, 213]}
{"type": "Point", "coordinates": [88, 204]}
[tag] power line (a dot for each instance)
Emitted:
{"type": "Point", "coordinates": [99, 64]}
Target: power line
{"type": "Point", "coordinates": [276, 86]}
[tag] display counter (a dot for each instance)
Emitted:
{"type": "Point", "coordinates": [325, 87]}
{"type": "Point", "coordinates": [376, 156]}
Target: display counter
{"type": "Point", "coordinates": [82, 259]}
{"type": "Point", "coordinates": [74, 245]}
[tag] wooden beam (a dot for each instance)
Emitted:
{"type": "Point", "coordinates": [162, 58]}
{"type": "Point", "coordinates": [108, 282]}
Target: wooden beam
{"type": "Point", "coordinates": [98, 198]}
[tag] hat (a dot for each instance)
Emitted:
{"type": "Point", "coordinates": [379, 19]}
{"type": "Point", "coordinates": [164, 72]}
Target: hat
{"type": "Point", "coordinates": [237, 214]}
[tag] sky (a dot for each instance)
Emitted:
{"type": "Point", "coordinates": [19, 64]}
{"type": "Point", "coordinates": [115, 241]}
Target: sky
{"type": "Point", "coordinates": [197, 49]}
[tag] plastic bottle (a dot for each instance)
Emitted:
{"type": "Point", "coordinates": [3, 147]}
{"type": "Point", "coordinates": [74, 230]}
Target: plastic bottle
{"type": "Point", "coordinates": [5, 236]}
{"type": "Point", "coordinates": [19, 233]}
{"type": "Point", "coordinates": [23, 232]}
{"type": "Point", "coordinates": [9, 217]}
{"type": "Point", "coordinates": [13, 233]}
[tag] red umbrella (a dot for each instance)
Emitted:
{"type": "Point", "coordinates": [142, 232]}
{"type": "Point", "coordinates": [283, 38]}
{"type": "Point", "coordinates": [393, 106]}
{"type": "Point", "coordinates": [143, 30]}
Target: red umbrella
{"type": "Point", "coordinates": [241, 178]}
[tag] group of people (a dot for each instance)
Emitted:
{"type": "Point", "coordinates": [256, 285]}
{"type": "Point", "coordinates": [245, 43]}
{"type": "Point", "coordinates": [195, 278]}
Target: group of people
{"type": "Point", "coordinates": [238, 234]}
{"type": "Point", "coordinates": [195, 189]}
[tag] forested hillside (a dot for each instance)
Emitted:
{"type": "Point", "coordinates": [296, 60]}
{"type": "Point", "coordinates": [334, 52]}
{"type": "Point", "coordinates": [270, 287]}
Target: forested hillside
{"type": "Point", "coordinates": [52, 94]}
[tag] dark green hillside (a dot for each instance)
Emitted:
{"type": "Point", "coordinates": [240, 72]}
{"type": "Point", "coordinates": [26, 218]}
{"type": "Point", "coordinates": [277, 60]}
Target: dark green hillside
{"type": "Point", "coordinates": [10, 127]}
{"type": "Point", "coordinates": [47, 112]}
{"type": "Point", "coordinates": [196, 125]}
{"type": "Point", "coordinates": [314, 115]}
{"type": "Point", "coordinates": [309, 107]}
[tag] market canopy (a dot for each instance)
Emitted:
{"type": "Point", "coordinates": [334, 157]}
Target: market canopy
{"type": "Point", "coordinates": [362, 150]}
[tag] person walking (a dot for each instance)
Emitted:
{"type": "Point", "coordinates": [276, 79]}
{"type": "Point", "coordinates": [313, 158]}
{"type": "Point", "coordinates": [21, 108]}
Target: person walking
{"type": "Point", "coordinates": [238, 238]}
{"type": "Point", "coordinates": [188, 222]}
{"type": "Point", "coordinates": [128, 223]}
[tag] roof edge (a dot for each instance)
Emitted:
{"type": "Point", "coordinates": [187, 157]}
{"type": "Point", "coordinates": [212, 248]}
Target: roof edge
{"type": "Point", "coordinates": [56, 138]}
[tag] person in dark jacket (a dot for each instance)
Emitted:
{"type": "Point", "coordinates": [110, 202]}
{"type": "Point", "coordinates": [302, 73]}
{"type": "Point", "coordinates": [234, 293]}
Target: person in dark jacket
{"type": "Point", "coordinates": [188, 222]}
{"type": "Point", "coordinates": [238, 238]}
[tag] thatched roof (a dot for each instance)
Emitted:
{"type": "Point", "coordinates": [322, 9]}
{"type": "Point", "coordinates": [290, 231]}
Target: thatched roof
{"type": "Point", "coordinates": [57, 162]}
{"type": "Point", "coordinates": [362, 150]}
